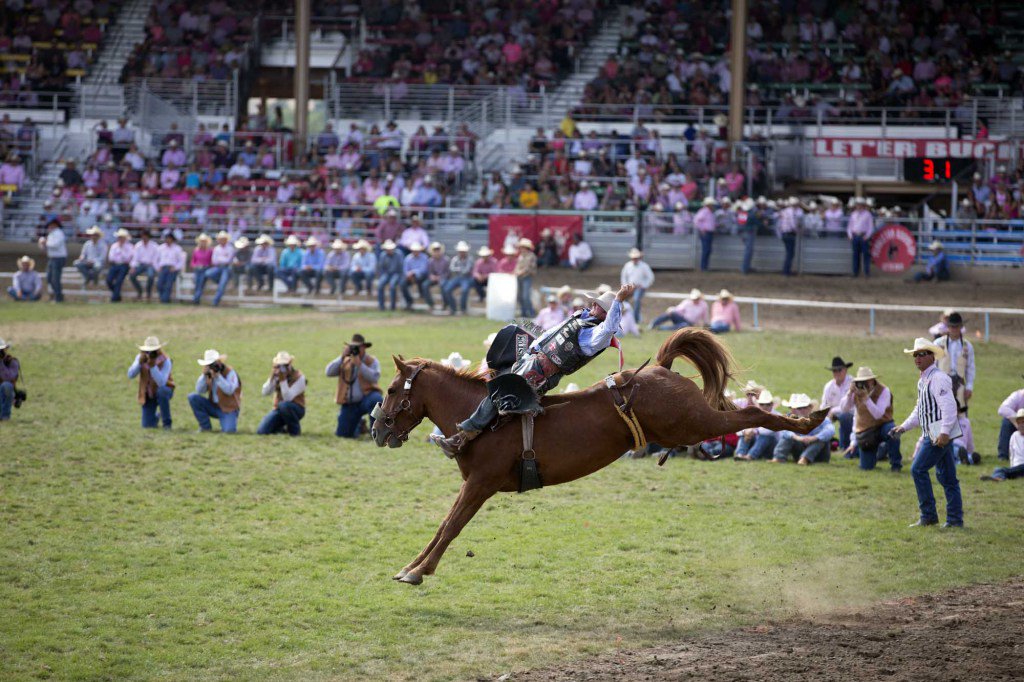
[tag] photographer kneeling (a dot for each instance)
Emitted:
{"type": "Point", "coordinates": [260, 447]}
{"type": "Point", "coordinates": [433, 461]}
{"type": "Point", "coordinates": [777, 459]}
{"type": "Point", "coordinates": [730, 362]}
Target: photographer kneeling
{"type": "Point", "coordinates": [358, 373]}
{"type": "Point", "coordinates": [10, 372]}
{"type": "Point", "coordinates": [156, 387]}
{"type": "Point", "coordinates": [871, 402]}
{"type": "Point", "coordinates": [223, 389]}
{"type": "Point", "coordinates": [289, 389]}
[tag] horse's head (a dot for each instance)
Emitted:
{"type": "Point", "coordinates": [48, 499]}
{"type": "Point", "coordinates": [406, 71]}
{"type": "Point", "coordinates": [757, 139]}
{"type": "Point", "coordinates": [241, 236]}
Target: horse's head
{"type": "Point", "coordinates": [402, 409]}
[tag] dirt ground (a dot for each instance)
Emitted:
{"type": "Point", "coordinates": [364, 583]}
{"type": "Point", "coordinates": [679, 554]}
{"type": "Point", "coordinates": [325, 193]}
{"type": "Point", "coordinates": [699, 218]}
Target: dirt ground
{"type": "Point", "coordinates": [973, 633]}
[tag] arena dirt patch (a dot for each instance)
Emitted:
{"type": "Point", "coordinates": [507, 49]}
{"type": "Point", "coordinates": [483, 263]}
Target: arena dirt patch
{"type": "Point", "coordinates": [971, 633]}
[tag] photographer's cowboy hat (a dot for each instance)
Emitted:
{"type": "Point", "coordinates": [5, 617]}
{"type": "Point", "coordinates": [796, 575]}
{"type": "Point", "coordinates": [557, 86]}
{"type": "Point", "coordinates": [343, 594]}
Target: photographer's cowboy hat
{"type": "Point", "coordinates": [456, 361]}
{"type": "Point", "coordinates": [604, 300]}
{"type": "Point", "coordinates": [864, 374]}
{"type": "Point", "coordinates": [924, 344]}
{"type": "Point", "coordinates": [211, 356]}
{"type": "Point", "coordinates": [358, 340]}
{"type": "Point", "coordinates": [837, 364]}
{"type": "Point", "coordinates": [4, 345]}
{"type": "Point", "coordinates": [150, 344]}
{"type": "Point", "coordinates": [283, 357]}
{"type": "Point", "coordinates": [797, 400]}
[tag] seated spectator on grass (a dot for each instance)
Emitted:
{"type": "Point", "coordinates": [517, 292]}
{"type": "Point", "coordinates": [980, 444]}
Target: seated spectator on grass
{"type": "Point", "coordinates": [758, 443]}
{"type": "Point", "coordinates": [288, 386]}
{"type": "Point", "coordinates": [936, 267]}
{"type": "Point", "coordinates": [218, 393]}
{"type": "Point", "coordinates": [691, 311]}
{"type": "Point", "coordinates": [725, 314]}
{"type": "Point", "coordinates": [94, 254]}
{"type": "Point", "coordinates": [836, 389]}
{"type": "Point", "coordinates": [812, 448]}
{"type": "Point", "coordinates": [156, 385]}
{"type": "Point", "coordinates": [27, 285]}
{"type": "Point", "coordinates": [1015, 450]}
{"type": "Point", "coordinates": [871, 402]}
{"type": "Point", "coordinates": [1008, 411]}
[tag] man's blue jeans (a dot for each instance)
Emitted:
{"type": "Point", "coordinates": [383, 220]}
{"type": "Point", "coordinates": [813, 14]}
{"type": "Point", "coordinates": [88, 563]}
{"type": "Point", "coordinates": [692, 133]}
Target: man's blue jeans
{"type": "Point", "coordinates": [861, 254]}
{"type": "Point", "coordinates": [891, 447]}
{"type": "Point", "coordinates": [290, 277]}
{"type": "Point", "coordinates": [391, 282]}
{"type": "Point", "coordinates": [89, 272]}
{"type": "Point", "coordinates": [719, 327]}
{"type": "Point", "coordinates": [1006, 430]}
{"type": "Point", "coordinates": [525, 300]}
{"type": "Point", "coordinates": [931, 455]}
{"type": "Point", "coordinates": [818, 451]}
{"type": "Point", "coordinates": [759, 447]}
{"type": "Point", "coordinates": [351, 413]}
{"type": "Point", "coordinates": [263, 273]}
{"type": "Point", "coordinates": [1003, 473]}
{"type": "Point", "coordinates": [6, 400]}
{"type": "Point", "coordinates": [54, 273]}
{"type": "Point", "coordinates": [638, 298]}
{"type": "Point", "coordinates": [205, 409]}
{"type": "Point", "coordinates": [706, 241]}
{"type": "Point", "coordinates": [313, 279]}
{"type": "Point", "coordinates": [422, 285]}
{"type": "Point", "coordinates": [285, 418]}
{"type": "Point", "coordinates": [165, 283]}
{"type": "Point", "coordinates": [150, 273]}
{"type": "Point", "coordinates": [789, 243]}
{"type": "Point", "coordinates": [115, 279]}
{"type": "Point", "coordinates": [464, 283]}
{"type": "Point", "coordinates": [13, 293]}
{"type": "Point", "coordinates": [361, 281]}
{"type": "Point", "coordinates": [161, 401]}
{"type": "Point", "coordinates": [845, 420]}
{"type": "Point", "coordinates": [748, 252]}
{"type": "Point", "coordinates": [221, 275]}
{"type": "Point", "coordinates": [677, 320]}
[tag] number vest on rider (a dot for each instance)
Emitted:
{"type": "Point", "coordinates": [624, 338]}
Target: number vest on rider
{"type": "Point", "coordinates": [862, 419]}
{"type": "Point", "coordinates": [345, 377]}
{"type": "Point", "coordinates": [292, 377]}
{"type": "Point", "coordinates": [227, 402]}
{"type": "Point", "coordinates": [147, 385]}
{"type": "Point", "coordinates": [562, 344]}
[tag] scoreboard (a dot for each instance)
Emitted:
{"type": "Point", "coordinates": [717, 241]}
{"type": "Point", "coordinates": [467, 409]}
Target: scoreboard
{"type": "Point", "coordinates": [937, 170]}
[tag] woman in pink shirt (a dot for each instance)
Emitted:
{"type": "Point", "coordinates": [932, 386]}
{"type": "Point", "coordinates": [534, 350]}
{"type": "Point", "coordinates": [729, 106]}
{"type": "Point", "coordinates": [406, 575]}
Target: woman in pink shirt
{"type": "Point", "coordinates": [202, 256]}
{"type": "Point", "coordinates": [725, 314]}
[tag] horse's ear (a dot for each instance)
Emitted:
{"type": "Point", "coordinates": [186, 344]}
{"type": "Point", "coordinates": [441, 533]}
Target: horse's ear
{"type": "Point", "coordinates": [399, 364]}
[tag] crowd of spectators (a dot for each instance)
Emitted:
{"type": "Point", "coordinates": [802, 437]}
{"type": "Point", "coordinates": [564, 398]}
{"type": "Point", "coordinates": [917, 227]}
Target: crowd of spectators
{"type": "Point", "coordinates": [44, 46]}
{"type": "Point", "coordinates": [837, 59]}
{"type": "Point", "coordinates": [497, 42]}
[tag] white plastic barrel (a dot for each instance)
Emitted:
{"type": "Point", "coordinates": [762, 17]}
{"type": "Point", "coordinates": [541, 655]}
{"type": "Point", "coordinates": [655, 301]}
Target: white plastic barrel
{"type": "Point", "coordinates": [501, 296]}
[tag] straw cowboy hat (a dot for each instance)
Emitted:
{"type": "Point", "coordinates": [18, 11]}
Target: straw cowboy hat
{"type": "Point", "coordinates": [455, 361]}
{"type": "Point", "coordinates": [436, 246]}
{"type": "Point", "coordinates": [292, 240]}
{"type": "Point", "coordinates": [312, 241]}
{"type": "Point", "coordinates": [241, 242]}
{"type": "Point", "coordinates": [361, 244]}
{"type": "Point", "coordinates": [709, 201]}
{"type": "Point", "coordinates": [283, 357]}
{"type": "Point", "coordinates": [4, 345]}
{"type": "Point", "coordinates": [125, 234]}
{"type": "Point", "coordinates": [765, 397]}
{"type": "Point", "coordinates": [462, 247]}
{"type": "Point", "coordinates": [635, 253]}
{"type": "Point", "coordinates": [388, 245]}
{"type": "Point", "coordinates": [864, 373]}
{"type": "Point", "coordinates": [264, 239]}
{"type": "Point", "coordinates": [838, 363]}
{"type": "Point", "coordinates": [695, 294]}
{"type": "Point", "coordinates": [752, 387]}
{"type": "Point", "coordinates": [563, 290]}
{"type": "Point", "coordinates": [416, 248]}
{"type": "Point", "coordinates": [223, 235]}
{"type": "Point", "coordinates": [338, 245]}
{"type": "Point", "coordinates": [604, 300]}
{"type": "Point", "coordinates": [509, 250]}
{"type": "Point", "coordinates": [725, 293]}
{"type": "Point", "coordinates": [1017, 417]}
{"type": "Point", "coordinates": [25, 259]}
{"type": "Point", "coordinates": [211, 356]}
{"type": "Point", "coordinates": [798, 400]}
{"type": "Point", "coordinates": [925, 344]}
{"type": "Point", "coordinates": [95, 229]}
{"type": "Point", "coordinates": [525, 243]}
{"type": "Point", "coordinates": [485, 252]}
{"type": "Point", "coordinates": [203, 237]}
{"type": "Point", "coordinates": [151, 343]}
{"type": "Point", "coordinates": [578, 302]}
{"type": "Point", "coordinates": [935, 246]}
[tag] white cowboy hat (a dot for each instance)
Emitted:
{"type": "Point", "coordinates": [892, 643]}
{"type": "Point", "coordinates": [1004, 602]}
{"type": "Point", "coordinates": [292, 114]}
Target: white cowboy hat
{"type": "Point", "coordinates": [864, 373]}
{"type": "Point", "coordinates": [604, 300]}
{"type": "Point", "coordinates": [765, 397]}
{"type": "Point", "coordinates": [935, 245]}
{"type": "Point", "coordinates": [752, 387]}
{"type": "Point", "coordinates": [551, 298]}
{"type": "Point", "coordinates": [388, 245]}
{"type": "Point", "coordinates": [361, 244]}
{"type": "Point", "coordinates": [564, 289]}
{"type": "Point", "coordinates": [602, 289]}
{"type": "Point", "coordinates": [283, 357]}
{"type": "Point", "coordinates": [241, 242]}
{"type": "Point", "coordinates": [416, 248]}
{"type": "Point", "coordinates": [292, 240]}
{"type": "Point", "coordinates": [25, 259]}
{"type": "Point", "coordinates": [509, 250]}
{"type": "Point", "coordinates": [525, 243]}
{"type": "Point", "coordinates": [490, 339]}
{"type": "Point", "coordinates": [925, 344]}
{"type": "Point", "coordinates": [797, 400]}
{"type": "Point", "coordinates": [571, 388]}
{"type": "Point", "coordinates": [578, 302]}
{"type": "Point", "coordinates": [4, 345]}
{"type": "Point", "coordinates": [695, 294]}
{"type": "Point", "coordinates": [264, 239]}
{"type": "Point", "coordinates": [1017, 417]}
{"type": "Point", "coordinates": [338, 245]}
{"type": "Point", "coordinates": [211, 356]}
{"type": "Point", "coordinates": [125, 234]}
{"type": "Point", "coordinates": [151, 343]}
{"type": "Point", "coordinates": [485, 252]}
{"type": "Point", "coordinates": [725, 293]}
{"type": "Point", "coordinates": [436, 246]}
{"type": "Point", "coordinates": [455, 361]}
{"type": "Point", "coordinates": [95, 229]}
{"type": "Point", "coordinates": [223, 235]}
{"type": "Point", "coordinates": [635, 253]}
{"type": "Point", "coordinates": [709, 201]}
{"type": "Point", "coordinates": [312, 241]}
{"type": "Point", "coordinates": [462, 247]}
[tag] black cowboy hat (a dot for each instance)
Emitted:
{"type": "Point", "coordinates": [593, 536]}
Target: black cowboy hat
{"type": "Point", "coordinates": [837, 363]}
{"type": "Point", "coordinates": [955, 318]}
{"type": "Point", "coordinates": [357, 339]}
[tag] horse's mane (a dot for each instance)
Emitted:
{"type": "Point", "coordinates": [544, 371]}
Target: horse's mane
{"type": "Point", "coordinates": [470, 373]}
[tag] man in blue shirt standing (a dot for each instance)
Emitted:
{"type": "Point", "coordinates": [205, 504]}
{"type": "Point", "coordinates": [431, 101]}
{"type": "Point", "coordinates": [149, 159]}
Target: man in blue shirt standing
{"type": "Point", "coordinates": [389, 273]}
{"type": "Point", "coordinates": [313, 260]}
{"type": "Point", "coordinates": [414, 272]}
{"type": "Point", "coordinates": [560, 351]}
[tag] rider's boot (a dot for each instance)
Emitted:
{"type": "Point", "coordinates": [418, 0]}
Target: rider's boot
{"type": "Point", "coordinates": [453, 446]}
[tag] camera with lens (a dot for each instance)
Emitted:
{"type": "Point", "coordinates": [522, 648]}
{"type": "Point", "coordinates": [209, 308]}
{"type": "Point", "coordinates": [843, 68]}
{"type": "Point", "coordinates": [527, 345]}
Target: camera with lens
{"type": "Point", "coordinates": [861, 385]}
{"type": "Point", "coordinates": [353, 349]}
{"type": "Point", "coordinates": [153, 354]}
{"type": "Point", "coordinates": [217, 367]}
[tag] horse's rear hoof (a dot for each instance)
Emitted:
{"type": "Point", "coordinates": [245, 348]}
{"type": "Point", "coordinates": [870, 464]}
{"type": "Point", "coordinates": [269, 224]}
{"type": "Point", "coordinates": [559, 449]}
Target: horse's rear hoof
{"type": "Point", "coordinates": [411, 579]}
{"type": "Point", "coordinates": [399, 575]}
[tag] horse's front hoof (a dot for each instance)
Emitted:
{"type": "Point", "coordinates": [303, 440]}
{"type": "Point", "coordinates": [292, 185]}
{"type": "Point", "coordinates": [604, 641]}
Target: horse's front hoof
{"type": "Point", "coordinates": [401, 574]}
{"type": "Point", "coordinates": [411, 579]}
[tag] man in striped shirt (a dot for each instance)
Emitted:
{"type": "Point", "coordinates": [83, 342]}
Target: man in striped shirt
{"type": "Point", "coordinates": [936, 414]}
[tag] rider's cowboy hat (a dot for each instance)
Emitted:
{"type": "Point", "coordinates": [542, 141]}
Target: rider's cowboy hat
{"type": "Point", "coordinates": [837, 364]}
{"type": "Point", "coordinates": [283, 357]}
{"type": "Point", "coordinates": [358, 340]}
{"type": "Point", "coordinates": [455, 361]}
{"type": "Point", "coordinates": [150, 344]}
{"type": "Point", "coordinates": [695, 294]}
{"type": "Point", "coordinates": [211, 356]}
{"type": "Point", "coordinates": [604, 300]}
{"type": "Point", "coordinates": [924, 344]}
{"type": "Point", "coordinates": [797, 400]}
{"type": "Point", "coordinates": [863, 374]}
{"type": "Point", "coordinates": [765, 397]}
{"type": "Point", "coordinates": [636, 253]}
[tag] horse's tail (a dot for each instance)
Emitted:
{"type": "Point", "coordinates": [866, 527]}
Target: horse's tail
{"type": "Point", "coordinates": [708, 355]}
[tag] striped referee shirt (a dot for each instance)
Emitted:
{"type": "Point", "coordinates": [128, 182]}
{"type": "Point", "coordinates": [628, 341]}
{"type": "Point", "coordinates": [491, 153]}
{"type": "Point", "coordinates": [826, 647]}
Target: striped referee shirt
{"type": "Point", "coordinates": [935, 411]}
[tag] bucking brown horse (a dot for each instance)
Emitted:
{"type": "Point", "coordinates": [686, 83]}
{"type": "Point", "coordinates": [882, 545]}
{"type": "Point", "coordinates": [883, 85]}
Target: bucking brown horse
{"type": "Point", "coordinates": [578, 433]}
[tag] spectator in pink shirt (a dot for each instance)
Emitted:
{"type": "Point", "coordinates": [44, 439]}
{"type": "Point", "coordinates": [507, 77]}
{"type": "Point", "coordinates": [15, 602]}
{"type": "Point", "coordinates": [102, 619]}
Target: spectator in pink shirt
{"type": "Point", "coordinates": [725, 314]}
{"type": "Point", "coordinates": [550, 316]}
{"type": "Point", "coordinates": [12, 172]}
{"type": "Point", "coordinates": [692, 311]}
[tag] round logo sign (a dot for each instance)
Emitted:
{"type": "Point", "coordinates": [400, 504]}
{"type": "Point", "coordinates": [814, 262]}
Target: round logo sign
{"type": "Point", "coordinates": [893, 248]}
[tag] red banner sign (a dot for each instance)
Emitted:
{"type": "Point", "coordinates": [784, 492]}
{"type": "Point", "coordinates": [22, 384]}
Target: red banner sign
{"type": "Point", "coordinates": [893, 248]}
{"type": "Point", "coordinates": [870, 148]}
{"type": "Point", "coordinates": [531, 226]}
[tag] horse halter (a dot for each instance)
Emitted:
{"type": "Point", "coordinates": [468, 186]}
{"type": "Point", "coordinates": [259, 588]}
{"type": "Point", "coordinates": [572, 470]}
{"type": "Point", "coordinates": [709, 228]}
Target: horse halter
{"type": "Point", "coordinates": [405, 405]}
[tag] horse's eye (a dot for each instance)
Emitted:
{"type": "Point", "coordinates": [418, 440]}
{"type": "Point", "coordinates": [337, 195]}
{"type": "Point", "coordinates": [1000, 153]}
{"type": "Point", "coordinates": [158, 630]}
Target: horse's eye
{"type": "Point", "coordinates": [391, 391]}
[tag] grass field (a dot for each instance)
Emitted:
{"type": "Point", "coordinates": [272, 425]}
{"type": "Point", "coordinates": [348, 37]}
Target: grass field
{"type": "Point", "coordinates": [176, 555]}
